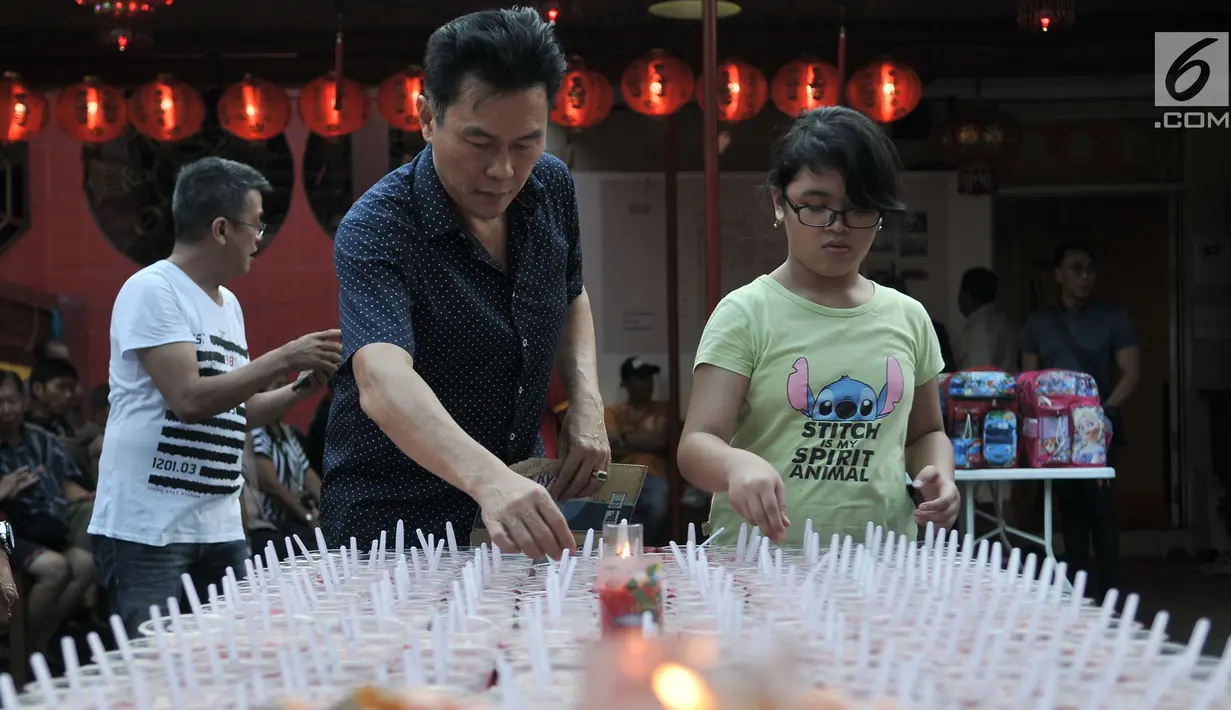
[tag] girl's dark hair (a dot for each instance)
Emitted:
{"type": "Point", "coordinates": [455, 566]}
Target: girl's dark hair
{"type": "Point", "coordinates": [845, 140]}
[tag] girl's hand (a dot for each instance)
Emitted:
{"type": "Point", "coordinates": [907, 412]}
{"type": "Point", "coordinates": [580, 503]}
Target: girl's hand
{"type": "Point", "coordinates": [758, 496]}
{"type": "Point", "coordinates": [941, 498]}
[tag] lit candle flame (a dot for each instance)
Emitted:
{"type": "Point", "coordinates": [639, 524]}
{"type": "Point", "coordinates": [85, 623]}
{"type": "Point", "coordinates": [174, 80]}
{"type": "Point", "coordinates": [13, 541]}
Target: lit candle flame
{"type": "Point", "coordinates": [680, 688]}
{"type": "Point", "coordinates": [624, 550]}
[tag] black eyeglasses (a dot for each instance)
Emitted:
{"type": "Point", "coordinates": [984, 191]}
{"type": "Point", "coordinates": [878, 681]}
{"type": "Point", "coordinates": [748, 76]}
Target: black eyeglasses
{"type": "Point", "coordinates": [857, 218]}
{"type": "Point", "coordinates": [259, 227]}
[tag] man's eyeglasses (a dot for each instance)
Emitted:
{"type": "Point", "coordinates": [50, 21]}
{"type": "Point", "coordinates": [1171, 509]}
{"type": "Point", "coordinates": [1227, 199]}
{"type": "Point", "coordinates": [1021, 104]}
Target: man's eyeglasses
{"type": "Point", "coordinates": [858, 218]}
{"type": "Point", "coordinates": [1081, 269]}
{"type": "Point", "coordinates": [259, 227]}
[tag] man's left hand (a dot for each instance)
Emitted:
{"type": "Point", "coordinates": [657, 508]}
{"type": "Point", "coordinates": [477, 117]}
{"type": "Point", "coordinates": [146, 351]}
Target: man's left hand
{"type": "Point", "coordinates": [941, 499]}
{"type": "Point", "coordinates": [584, 452]}
{"type": "Point", "coordinates": [311, 381]}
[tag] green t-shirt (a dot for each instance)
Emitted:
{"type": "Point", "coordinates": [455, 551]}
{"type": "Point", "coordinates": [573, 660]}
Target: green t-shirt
{"type": "Point", "coordinates": [829, 396]}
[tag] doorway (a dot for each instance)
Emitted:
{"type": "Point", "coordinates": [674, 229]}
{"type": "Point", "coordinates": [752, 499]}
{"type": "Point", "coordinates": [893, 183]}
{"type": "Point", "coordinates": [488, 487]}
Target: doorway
{"type": "Point", "coordinates": [1131, 238]}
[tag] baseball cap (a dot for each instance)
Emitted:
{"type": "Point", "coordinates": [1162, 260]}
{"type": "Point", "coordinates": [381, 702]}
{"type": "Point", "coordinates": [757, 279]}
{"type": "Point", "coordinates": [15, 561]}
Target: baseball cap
{"type": "Point", "coordinates": [635, 366]}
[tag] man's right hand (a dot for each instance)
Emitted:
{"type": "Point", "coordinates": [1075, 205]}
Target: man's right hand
{"type": "Point", "coordinates": [315, 351]}
{"type": "Point", "coordinates": [17, 480]}
{"type": "Point", "coordinates": [521, 517]}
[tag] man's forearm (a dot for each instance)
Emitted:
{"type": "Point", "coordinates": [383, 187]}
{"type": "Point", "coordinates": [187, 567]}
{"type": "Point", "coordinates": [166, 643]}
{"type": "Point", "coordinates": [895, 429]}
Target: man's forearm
{"type": "Point", "coordinates": [577, 359]}
{"type": "Point", "coordinates": [931, 449]}
{"type": "Point", "coordinates": [265, 408]}
{"type": "Point", "coordinates": [402, 404]}
{"type": "Point", "coordinates": [210, 396]}
{"type": "Point", "coordinates": [1120, 393]}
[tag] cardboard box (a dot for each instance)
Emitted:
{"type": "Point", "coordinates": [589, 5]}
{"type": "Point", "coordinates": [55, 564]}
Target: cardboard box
{"type": "Point", "coordinates": [614, 502]}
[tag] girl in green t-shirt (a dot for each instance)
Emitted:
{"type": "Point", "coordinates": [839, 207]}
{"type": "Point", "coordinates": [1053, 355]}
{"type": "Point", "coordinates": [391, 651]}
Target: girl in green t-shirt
{"type": "Point", "coordinates": [814, 388]}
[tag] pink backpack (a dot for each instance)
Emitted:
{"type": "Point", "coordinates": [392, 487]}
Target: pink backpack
{"type": "Point", "coordinates": [1062, 420]}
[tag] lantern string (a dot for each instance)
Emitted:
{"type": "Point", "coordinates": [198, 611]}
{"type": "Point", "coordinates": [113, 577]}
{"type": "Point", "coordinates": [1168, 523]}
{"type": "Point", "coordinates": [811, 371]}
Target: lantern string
{"type": "Point", "coordinates": [337, 62]}
{"type": "Point", "coordinates": [841, 54]}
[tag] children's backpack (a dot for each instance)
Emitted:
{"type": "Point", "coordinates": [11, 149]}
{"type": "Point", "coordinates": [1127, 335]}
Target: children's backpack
{"type": "Point", "coordinates": [1062, 420]}
{"type": "Point", "coordinates": [980, 414]}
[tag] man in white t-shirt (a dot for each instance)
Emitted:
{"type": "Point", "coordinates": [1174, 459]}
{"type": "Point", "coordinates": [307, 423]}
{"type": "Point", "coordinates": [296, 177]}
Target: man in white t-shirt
{"type": "Point", "coordinates": [183, 394]}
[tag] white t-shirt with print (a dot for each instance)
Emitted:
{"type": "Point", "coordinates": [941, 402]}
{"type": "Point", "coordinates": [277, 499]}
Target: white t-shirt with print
{"type": "Point", "coordinates": [161, 481]}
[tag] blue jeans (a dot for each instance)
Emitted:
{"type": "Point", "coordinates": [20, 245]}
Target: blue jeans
{"type": "Point", "coordinates": [138, 576]}
{"type": "Point", "coordinates": [653, 510]}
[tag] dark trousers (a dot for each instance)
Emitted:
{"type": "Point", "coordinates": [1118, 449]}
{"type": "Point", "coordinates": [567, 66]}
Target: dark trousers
{"type": "Point", "coordinates": [1088, 516]}
{"type": "Point", "coordinates": [260, 539]}
{"type": "Point", "coordinates": [138, 576]}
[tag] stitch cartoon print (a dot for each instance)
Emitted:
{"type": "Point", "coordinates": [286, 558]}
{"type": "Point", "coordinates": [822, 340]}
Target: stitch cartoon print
{"type": "Point", "coordinates": [841, 417]}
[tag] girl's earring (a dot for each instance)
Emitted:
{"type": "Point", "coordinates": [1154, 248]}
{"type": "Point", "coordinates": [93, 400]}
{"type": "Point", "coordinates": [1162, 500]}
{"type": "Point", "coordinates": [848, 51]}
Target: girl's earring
{"type": "Point", "coordinates": [777, 221]}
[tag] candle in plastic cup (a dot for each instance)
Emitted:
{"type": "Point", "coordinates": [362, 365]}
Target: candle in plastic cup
{"type": "Point", "coordinates": [627, 588]}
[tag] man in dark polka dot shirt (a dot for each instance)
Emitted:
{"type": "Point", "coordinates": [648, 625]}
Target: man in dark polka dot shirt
{"type": "Point", "coordinates": [461, 288]}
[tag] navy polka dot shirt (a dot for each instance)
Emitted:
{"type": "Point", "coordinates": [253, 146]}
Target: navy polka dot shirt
{"type": "Point", "coordinates": [483, 337]}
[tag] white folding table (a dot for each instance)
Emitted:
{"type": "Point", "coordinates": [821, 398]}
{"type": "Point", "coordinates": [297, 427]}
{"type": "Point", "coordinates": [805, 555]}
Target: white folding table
{"type": "Point", "coordinates": [970, 478]}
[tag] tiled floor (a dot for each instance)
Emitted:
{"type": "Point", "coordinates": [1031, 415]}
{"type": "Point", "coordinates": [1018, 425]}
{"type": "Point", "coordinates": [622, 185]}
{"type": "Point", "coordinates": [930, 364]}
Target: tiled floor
{"type": "Point", "coordinates": [1186, 594]}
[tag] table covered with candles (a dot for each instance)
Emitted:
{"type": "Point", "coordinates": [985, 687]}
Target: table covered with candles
{"type": "Point", "coordinates": [414, 622]}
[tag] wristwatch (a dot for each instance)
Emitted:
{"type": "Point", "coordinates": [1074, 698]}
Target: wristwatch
{"type": "Point", "coordinates": [6, 537]}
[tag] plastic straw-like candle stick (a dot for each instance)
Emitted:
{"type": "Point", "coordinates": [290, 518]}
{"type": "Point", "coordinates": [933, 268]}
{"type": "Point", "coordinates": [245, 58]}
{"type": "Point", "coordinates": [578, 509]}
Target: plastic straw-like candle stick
{"type": "Point", "coordinates": [439, 649]}
{"type": "Point", "coordinates": [8, 693]}
{"type": "Point", "coordinates": [440, 551]}
{"type": "Point", "coordinates": [588, 546]}
{"type": "Point", "coordinates": [452, 538]}
{"type": "Point", "coordinates": [741, 542]}
{"type": "Point", "coordinates": [1216, 686]}
{"type": "Point", "coordinates": [72, 665]}
{"type": "Point", "coordinates": [141, 693]}
{"type": "Point", "coordinates": [399, 540]}
{"type": "Point", "coordinates": [510, 696]}
{"type": "Point", "coordinates": [423, 545]}
{"type": "Point", "coordinates": [1158, 631]}
{"type": "Point", "coordinates": [601, 548]}
{"type": "Point", "coordinates": [381, 545]}
{"type": "Point", "coordinates": [754, 544]}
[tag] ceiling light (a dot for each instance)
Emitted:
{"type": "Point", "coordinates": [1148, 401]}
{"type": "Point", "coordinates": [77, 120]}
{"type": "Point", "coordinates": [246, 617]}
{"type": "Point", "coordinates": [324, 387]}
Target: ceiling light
{"type": "Point", "coordinates": [691, 9]}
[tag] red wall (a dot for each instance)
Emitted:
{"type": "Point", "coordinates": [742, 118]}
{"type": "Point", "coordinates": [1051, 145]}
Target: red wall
{"type": "Point", "coordinates": [291, 289]}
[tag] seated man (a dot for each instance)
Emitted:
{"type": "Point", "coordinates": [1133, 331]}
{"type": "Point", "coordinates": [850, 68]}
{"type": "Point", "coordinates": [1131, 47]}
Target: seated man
{"type": "Point", "coordinates": [53, 389]}
{"type": "Point", "coordinates": [637, 429]}
{"type": "Point", "coordinates": [38, 481]}
{"type": "Point", "coordinates": [88, 446]}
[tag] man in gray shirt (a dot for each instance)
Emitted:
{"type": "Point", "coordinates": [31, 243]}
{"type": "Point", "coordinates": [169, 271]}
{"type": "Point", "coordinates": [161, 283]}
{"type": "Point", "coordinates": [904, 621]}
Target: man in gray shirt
{"type": "Point", "coordinates": [1090, 336]}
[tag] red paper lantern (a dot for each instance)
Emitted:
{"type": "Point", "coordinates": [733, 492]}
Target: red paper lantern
{"type": "Point", "coordinates": [92, 112]}
{"type": "Point", "coordinates": [806, 84]}
{"type": "Point", "coordinates": [658, 84]}
{"type": "Point", "coordinates": [584, 99]}
{"type": "Point", "coordinates": [334, 108]}
{"type": "Point", "coordinates": [398, 99]}
{"type": "Point", "coordinates": [167, 109]}
{"type": "Point", "coordinates": [23, 110]}
{"type": "Point", "coordinates": [742, 91]}
{"type": "Point", "coordinates": [254, 109]}
{"type": "Point", "coordinates": [885, 91]}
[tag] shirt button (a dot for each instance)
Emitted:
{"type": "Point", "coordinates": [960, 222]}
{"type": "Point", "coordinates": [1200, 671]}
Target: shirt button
{"type": "Point", "coordinates": [525, 343]}
{"type": "Point", "coordinates": [520, 389]}
{"type": "Point", "coordinates": [512, 437]}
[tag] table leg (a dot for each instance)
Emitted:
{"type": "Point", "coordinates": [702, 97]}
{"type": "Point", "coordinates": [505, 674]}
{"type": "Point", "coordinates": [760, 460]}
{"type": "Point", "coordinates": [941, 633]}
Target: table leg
{"type": "Point", "coordinates": [1002, 526]}
{"type": "Point", "coordinates": [968, 502]}
{"type": "Point", "coordinates": [1047, 518]}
